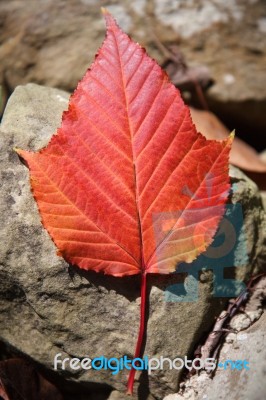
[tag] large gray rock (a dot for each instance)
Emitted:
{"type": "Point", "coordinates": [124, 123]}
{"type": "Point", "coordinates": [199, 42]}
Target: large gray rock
{"type": "Point", "coordinates": [47, 307]}
{"type": "Point", "coordinates": [52, 43]}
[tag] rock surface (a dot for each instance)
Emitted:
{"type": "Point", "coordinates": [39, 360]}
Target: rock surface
{"type": "Point", "coordinates": [248, 343]}
{"type": "Point", "coordinates": [53, 42]}
{"type": "Point", "coordinates": [47, 307]}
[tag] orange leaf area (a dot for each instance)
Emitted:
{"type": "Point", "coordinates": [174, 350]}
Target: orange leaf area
{"type": "Point", "coordinates": [127, 185]}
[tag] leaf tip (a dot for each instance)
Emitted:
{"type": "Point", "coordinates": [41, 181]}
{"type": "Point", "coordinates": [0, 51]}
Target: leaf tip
{"type": "Point", "coordinates": [24, 155]}
{"type": "Point", "coordinates": [109, 19]}
{"type": "Point", "coordinates": [21, 153]}
{"type": "Point", "coordinates": [104, 11]}
{"type": "Point", "coordinates": [230, 138]}
{"type": "Point", "coordinates": [232, 135]}
{"type": "Point", "coordinates": [16, 150]}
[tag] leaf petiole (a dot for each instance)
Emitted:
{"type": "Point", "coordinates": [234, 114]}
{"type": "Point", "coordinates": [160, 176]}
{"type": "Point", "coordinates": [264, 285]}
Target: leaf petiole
{"type": "Point", "coordinates": [142, 329]}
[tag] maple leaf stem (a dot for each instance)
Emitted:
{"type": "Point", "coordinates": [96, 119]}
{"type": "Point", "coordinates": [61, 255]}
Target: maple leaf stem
{"type": "Point", "coordinates": [142, 327]}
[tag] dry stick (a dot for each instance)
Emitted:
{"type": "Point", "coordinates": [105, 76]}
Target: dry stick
{"type": "Point", "coordinates": [199, 92]}
{"type": "Point", "coordinates": [215, 336]}
{"type": "Point", "coordinates": [178, 60]}
{"type": "Point", "coordinates": [213, 342]}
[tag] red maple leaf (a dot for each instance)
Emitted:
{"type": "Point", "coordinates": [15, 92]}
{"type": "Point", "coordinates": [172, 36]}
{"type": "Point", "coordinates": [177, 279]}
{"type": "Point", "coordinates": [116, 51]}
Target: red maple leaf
{"type": "Point", "coordinates": [110, 184]}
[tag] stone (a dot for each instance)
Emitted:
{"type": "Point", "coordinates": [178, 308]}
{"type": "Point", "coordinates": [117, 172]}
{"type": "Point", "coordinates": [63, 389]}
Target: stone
{"type": "Point", "coordinates": [243, 384]}
{"type": "Point", "coordinates": [116, 395]}
{"type": "Point", "coordinates": [248, 345]}
{"type": "Point", "coordinates": [48, 307]}
{"type": "Point", "coordinates": [263, 193]}
{"type": "Point", "coordinates": [246, 194]}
